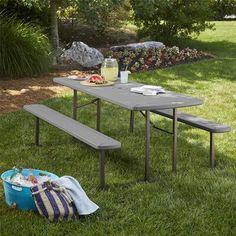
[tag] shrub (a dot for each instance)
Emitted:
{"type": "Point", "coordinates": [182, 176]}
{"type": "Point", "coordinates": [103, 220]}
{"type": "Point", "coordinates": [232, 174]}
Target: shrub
{"type": "Point", "coordinates": [24, 49]}
{"type": "Point", "coordinates": [222, 8]}
{"type": "Point", "coordinates": [29, 11]}
{"type": "Point", "coordinates": [148, 59]}
{"type": "Point", "coordinates": [104, 13]}
{"type": "Point", "coordinates": [170, 20]}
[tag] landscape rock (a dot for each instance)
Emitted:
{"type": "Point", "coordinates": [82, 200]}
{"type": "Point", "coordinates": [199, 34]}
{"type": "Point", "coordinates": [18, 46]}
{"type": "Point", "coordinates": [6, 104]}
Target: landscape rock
{"type": "Point", "coordinates": [133, 46]}
{"type": "Point", "coordinates": [82, 54]}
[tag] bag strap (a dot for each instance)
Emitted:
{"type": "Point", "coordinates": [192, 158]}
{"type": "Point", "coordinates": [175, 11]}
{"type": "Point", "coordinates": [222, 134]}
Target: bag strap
{"type": "Point", "coordinates": [63, 191]}
{"type": "Point", "coordinates": [56, 188]}
{"type": "Point", "coordinates": [39, 191]}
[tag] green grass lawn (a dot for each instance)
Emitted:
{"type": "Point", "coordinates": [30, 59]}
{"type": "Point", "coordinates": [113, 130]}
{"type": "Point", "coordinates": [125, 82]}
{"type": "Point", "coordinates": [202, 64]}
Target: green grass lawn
{"type": "Point", "coordinates": [195, 201]}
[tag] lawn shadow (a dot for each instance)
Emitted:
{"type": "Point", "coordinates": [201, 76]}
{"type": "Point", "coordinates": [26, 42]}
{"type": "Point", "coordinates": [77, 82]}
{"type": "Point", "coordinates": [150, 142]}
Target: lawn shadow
{"type": "Point", "coordinates": [192, 156]}
{"type": "Point", "coordinates": [128, 161]}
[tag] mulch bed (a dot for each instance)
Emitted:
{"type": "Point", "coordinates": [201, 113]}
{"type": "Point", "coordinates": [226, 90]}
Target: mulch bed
{"type": "Point", "coordinates": [15, 93]}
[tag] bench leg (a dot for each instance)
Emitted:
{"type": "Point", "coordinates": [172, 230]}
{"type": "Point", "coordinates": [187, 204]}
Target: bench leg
{"type": "Point", "coordinates": [147, 146]}
{"type": "Point", "coordinates": [174, 147]}
{"type": "Point", "coordinates": [102, 168]}
{"type": "Point", "coordinates": [74, 105]}
{"type": "Point", "coordinates": [212, 151]}
{"type": "Point", "coordinates": [131, 123]}
{"type": "Point", "coordinates": [98, 114]}
{"type": "Point", "coordinates": [37, 131]}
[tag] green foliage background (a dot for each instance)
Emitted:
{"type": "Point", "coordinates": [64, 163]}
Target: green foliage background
{"type": "Point", "coordinates": [163, 20]}
{"type": "Point", "coordinates": [222, 8]}
{"type": "Point", "coordinates": [104, 13]}
{"type": "Point", "coordinates": [168, 20]}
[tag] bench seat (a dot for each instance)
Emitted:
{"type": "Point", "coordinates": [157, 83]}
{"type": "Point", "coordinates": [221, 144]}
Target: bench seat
{"type": "Point", "coordinates": [194, 121]}
{"type": "Point", "coordinates": [200, 123]}
{"type": "Point", "coordinates": [80, 131]}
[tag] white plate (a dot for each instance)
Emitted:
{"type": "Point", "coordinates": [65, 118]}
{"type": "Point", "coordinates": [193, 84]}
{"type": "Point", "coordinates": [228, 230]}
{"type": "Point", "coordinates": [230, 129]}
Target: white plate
{"type": "Point", "coordinates": [75, 77]}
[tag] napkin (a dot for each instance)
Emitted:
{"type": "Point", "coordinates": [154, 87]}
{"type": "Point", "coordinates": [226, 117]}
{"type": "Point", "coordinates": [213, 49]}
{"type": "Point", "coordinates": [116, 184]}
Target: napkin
{"type": "Point", "coordinates": [148, 90]}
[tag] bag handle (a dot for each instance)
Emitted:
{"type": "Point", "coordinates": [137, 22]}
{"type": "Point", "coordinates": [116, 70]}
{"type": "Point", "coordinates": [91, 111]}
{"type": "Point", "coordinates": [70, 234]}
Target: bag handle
{"type": "Point", "coordinates": [60, 189]}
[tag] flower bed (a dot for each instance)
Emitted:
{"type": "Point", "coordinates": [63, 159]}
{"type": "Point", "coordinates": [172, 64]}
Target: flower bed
{"type": "Point", "coordinates": [148, 59]}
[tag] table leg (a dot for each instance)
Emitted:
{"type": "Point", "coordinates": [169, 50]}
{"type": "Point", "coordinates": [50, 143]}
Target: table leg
{"type": "Point", "coordinates": [98, 113]}
{"type": "Point", "coordinates": [74, 106]}
{"type": "Point", "coordinates": [174, 148]}
{"type": "Point", "coordinates": [212, 150]}
{"type": "Point", "coordinates": [147, 146]}
{"type": "Point", "coordinates": [131, 123]}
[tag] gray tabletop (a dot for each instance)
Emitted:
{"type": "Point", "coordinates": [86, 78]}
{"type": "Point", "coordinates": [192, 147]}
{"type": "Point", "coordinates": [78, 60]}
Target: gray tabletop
{"type": "Point", "coordinates": [120, 94]}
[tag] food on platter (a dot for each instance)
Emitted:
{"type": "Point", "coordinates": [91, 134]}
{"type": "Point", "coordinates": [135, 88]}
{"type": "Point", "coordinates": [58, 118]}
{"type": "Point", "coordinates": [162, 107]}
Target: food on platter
{"type": "Point", "coordinates": [97, 79]}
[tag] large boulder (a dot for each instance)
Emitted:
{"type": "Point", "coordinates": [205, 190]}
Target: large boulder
{"type": "Point", "coordinates": [82, 54]}
{"type": "Point", "coordinates": [133, 46]}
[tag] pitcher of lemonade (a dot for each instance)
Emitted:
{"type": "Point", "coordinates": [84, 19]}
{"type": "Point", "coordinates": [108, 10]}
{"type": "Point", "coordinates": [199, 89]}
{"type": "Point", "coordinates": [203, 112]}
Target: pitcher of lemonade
{"type": "Point", "coordinates": [109, 69]}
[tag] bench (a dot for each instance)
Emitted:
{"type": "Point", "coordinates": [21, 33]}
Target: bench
{"type": "Point", "coordinates": [199, 123]}
{"type": "Point", "coordinates": [79, 131]}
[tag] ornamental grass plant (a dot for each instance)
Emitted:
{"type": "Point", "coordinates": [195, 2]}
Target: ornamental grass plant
{"type": "Point", "coordinates": [24, 49]}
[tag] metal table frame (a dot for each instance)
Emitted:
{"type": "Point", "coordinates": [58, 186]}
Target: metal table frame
{"type": "Point", "coordinates": [146, 113]}
{"type": "Point", "coordinates": [147, 164]}
{"type": "Point", "coordinates": [147, 169]}
{"type": "Point", "coordinates": [173, 133]}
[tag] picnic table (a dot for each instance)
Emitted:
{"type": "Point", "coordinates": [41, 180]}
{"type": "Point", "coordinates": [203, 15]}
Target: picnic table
{"type": "Point", "coordinates": [120, 94]}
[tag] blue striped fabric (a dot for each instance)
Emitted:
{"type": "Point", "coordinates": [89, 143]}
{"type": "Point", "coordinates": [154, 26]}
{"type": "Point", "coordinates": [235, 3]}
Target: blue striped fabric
{"type": "Point", "coordinates": [39, 202]}
{"type": "Point", "coordinates": [53, 204]}
{"type": "Point", "coordinates": [64, 203]}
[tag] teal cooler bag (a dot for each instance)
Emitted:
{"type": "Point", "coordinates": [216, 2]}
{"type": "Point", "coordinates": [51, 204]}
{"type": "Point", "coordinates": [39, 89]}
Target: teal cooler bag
{"type": "Point", "coordinates": [19, 196]}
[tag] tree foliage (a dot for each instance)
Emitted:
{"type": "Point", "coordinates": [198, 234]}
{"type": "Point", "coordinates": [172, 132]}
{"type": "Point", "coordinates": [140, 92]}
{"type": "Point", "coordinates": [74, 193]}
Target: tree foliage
{"type": "Point", "coordinates": [98, 14]}
{"type": "Point", "coordinates": [167, 20]}
{"type": "Point", "coordinates": [27, 10]}
{"type": "Point", "coordinates": [102, 14]}
{"type": "Point", "coordinates": [222, 8]}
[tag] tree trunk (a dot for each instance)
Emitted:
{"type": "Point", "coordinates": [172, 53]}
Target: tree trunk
{"type": "Point", "coordinates": [54, 27]}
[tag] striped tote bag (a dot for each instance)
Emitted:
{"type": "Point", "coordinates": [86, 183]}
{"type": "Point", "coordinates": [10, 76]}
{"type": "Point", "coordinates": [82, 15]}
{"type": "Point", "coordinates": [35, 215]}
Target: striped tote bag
{"type": "Point", "coordinates": [53, 202]}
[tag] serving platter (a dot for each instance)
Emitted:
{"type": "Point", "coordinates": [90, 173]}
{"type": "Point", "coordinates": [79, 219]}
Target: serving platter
{"type": "Point", "coordinates": [87, 83]}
